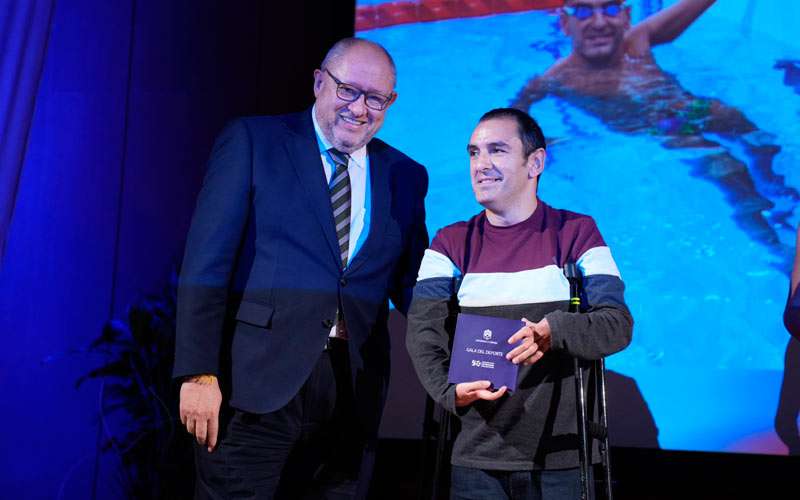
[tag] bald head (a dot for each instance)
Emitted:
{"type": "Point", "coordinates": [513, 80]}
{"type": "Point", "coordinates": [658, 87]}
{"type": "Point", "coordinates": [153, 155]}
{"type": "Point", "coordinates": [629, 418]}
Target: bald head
{"type": "Point", "coordinates": [346, 45]}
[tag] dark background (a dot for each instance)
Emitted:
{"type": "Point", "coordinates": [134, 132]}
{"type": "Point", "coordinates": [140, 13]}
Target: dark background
{"type": "Point", "coordinates": [130, 96]}
{"type": "Point", "coordinates": [124, 108]}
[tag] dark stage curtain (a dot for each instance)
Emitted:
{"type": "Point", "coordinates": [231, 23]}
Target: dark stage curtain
{"type": "Point", "coordinates": [24, 30]}
{"type": "Point", "coordinates": [108, 110]}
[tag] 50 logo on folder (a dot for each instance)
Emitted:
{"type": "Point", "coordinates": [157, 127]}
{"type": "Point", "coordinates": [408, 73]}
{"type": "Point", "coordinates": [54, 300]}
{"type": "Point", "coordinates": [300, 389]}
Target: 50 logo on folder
{"type": "Point", "coordinates": [479, 352]}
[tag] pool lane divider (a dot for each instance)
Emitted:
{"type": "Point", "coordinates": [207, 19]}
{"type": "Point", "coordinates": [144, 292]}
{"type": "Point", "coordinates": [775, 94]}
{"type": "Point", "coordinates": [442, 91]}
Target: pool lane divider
{"type": "Point", "coordinates": [407, 12]}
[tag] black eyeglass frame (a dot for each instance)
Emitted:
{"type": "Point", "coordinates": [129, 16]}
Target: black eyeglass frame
{"type": "Point", "coordinates": [385, 100]}
{"type": "Point", "coordinates": [618, 4]}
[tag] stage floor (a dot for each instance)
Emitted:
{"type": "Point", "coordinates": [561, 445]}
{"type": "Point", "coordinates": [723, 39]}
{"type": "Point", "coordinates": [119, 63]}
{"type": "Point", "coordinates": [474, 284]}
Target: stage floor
{"type": "Point", "coordinates": [639, 474]}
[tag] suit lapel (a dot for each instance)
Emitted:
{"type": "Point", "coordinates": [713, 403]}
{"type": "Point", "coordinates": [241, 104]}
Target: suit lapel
{"type": "Point", "coordinates": [381, 200]}
{"type": "Point", "coordinates": [305, 158]}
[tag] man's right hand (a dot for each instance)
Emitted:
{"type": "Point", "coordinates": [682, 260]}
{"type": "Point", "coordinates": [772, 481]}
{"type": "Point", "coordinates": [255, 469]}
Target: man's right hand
{"type": "Point", "coordinates": [200, 400]}
{"type": "Point", "coordinates": [469, 392]}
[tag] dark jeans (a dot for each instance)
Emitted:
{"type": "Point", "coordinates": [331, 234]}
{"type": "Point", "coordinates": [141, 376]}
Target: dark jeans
{"type": "Point", "coordinates": [310, 448]}
{"type": "Point", "coordinates": [479, 484]}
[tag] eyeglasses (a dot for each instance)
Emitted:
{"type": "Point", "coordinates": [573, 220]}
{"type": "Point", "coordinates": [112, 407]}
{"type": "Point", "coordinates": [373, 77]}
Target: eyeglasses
{"type": "Point", "coordinates": [583, 11]}
{"type": "Point", "coordinates": [351, 93]}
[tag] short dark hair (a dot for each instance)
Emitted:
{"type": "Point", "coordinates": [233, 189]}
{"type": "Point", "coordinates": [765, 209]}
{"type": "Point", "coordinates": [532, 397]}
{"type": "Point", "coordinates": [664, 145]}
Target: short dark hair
{"type": "Point", "coordinates": [529, 130]}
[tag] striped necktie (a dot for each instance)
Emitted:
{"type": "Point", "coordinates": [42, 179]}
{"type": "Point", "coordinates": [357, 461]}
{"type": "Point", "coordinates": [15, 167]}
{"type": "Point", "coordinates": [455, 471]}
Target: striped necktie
{"type": "Point", "coordinates": [340, 201]}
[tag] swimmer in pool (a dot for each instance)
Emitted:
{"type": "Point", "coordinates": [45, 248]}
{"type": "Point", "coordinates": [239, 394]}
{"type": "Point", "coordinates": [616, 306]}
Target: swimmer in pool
{"type": "Point", "coordinates": [612, 74]}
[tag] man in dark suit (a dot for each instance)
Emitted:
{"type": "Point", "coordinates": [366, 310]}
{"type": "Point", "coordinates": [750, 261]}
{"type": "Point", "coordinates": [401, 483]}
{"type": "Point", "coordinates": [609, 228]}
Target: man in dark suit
{"type": "Point", "coordinates": [304, 228]}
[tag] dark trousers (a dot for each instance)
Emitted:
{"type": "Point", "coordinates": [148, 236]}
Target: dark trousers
{"type": "Point", "coordinates": [310, 448]}
{"type": "Point", "coordinates": [479, 484]}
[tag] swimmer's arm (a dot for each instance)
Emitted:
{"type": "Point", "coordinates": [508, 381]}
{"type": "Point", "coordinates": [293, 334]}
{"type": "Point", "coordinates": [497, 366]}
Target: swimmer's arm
{"type": "Point", "coordinates": [791, 314]}
{"type": "Point", "coordinates": [531, 92]}
{"type": "Point", "coordinates": [668, 24]}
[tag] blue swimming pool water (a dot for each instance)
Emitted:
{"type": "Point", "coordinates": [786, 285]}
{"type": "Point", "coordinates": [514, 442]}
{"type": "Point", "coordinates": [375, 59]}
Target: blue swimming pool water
{"type": "Point", "coordinates": [707, 298]}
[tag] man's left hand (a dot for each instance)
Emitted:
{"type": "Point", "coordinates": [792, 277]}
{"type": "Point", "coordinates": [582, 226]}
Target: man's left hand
{"type": "Point", "coordinates": [535, 339]}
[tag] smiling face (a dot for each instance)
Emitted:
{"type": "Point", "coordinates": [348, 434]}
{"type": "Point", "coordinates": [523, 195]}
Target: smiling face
{"type": "Point", "coordinates": [599, 38]}
{"type": "Point", "coordinates": [350, 125]}
{"type": "Point", "coordinates": [504, 179]}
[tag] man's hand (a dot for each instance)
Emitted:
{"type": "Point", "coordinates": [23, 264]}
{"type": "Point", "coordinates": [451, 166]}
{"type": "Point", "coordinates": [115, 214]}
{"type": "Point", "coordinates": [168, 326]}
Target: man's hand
{"type": "Point", "coordinates": [200, 400]}
{"type": "Point", "coordinates": [469, 392]}
{"type": "Point", "coordinates": [535, 339]}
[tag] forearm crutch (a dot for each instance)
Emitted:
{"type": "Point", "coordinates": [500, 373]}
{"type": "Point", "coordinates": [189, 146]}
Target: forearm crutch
{"type": "Point", "coordinates": [589, 430]}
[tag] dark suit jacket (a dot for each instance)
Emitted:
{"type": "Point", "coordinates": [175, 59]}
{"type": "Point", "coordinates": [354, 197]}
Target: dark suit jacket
{"type": "Point", "coordinates": [262, 252]}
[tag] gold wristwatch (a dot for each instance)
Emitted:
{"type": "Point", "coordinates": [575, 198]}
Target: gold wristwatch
{"type": "Point", "coordinates": [204, 379]}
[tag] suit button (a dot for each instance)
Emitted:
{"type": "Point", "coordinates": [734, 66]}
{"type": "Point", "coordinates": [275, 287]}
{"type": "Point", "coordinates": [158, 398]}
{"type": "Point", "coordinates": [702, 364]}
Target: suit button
{"type": "Point", "coordinates": [328, 323]}
{"type": "Point", "coordinates": [342, 281]}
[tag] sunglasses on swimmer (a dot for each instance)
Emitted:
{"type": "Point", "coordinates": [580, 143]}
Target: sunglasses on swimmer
{"type": "Point", "coordinates": [583, 11]}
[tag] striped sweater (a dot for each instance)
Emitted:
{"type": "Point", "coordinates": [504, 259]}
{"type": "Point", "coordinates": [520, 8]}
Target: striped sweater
{"type": "Point", "coordinates": [515, 272]}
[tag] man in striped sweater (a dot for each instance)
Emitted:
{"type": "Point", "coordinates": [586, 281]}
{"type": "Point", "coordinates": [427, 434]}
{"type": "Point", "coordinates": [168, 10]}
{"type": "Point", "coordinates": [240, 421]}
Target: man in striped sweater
{"type": "Point", "coordinates": [507, 262]}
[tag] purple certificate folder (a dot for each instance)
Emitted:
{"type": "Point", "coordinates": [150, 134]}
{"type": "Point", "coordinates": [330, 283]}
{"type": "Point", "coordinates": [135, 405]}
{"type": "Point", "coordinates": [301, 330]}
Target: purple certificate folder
{"type": "Point", "coordinates": [479, 351]}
